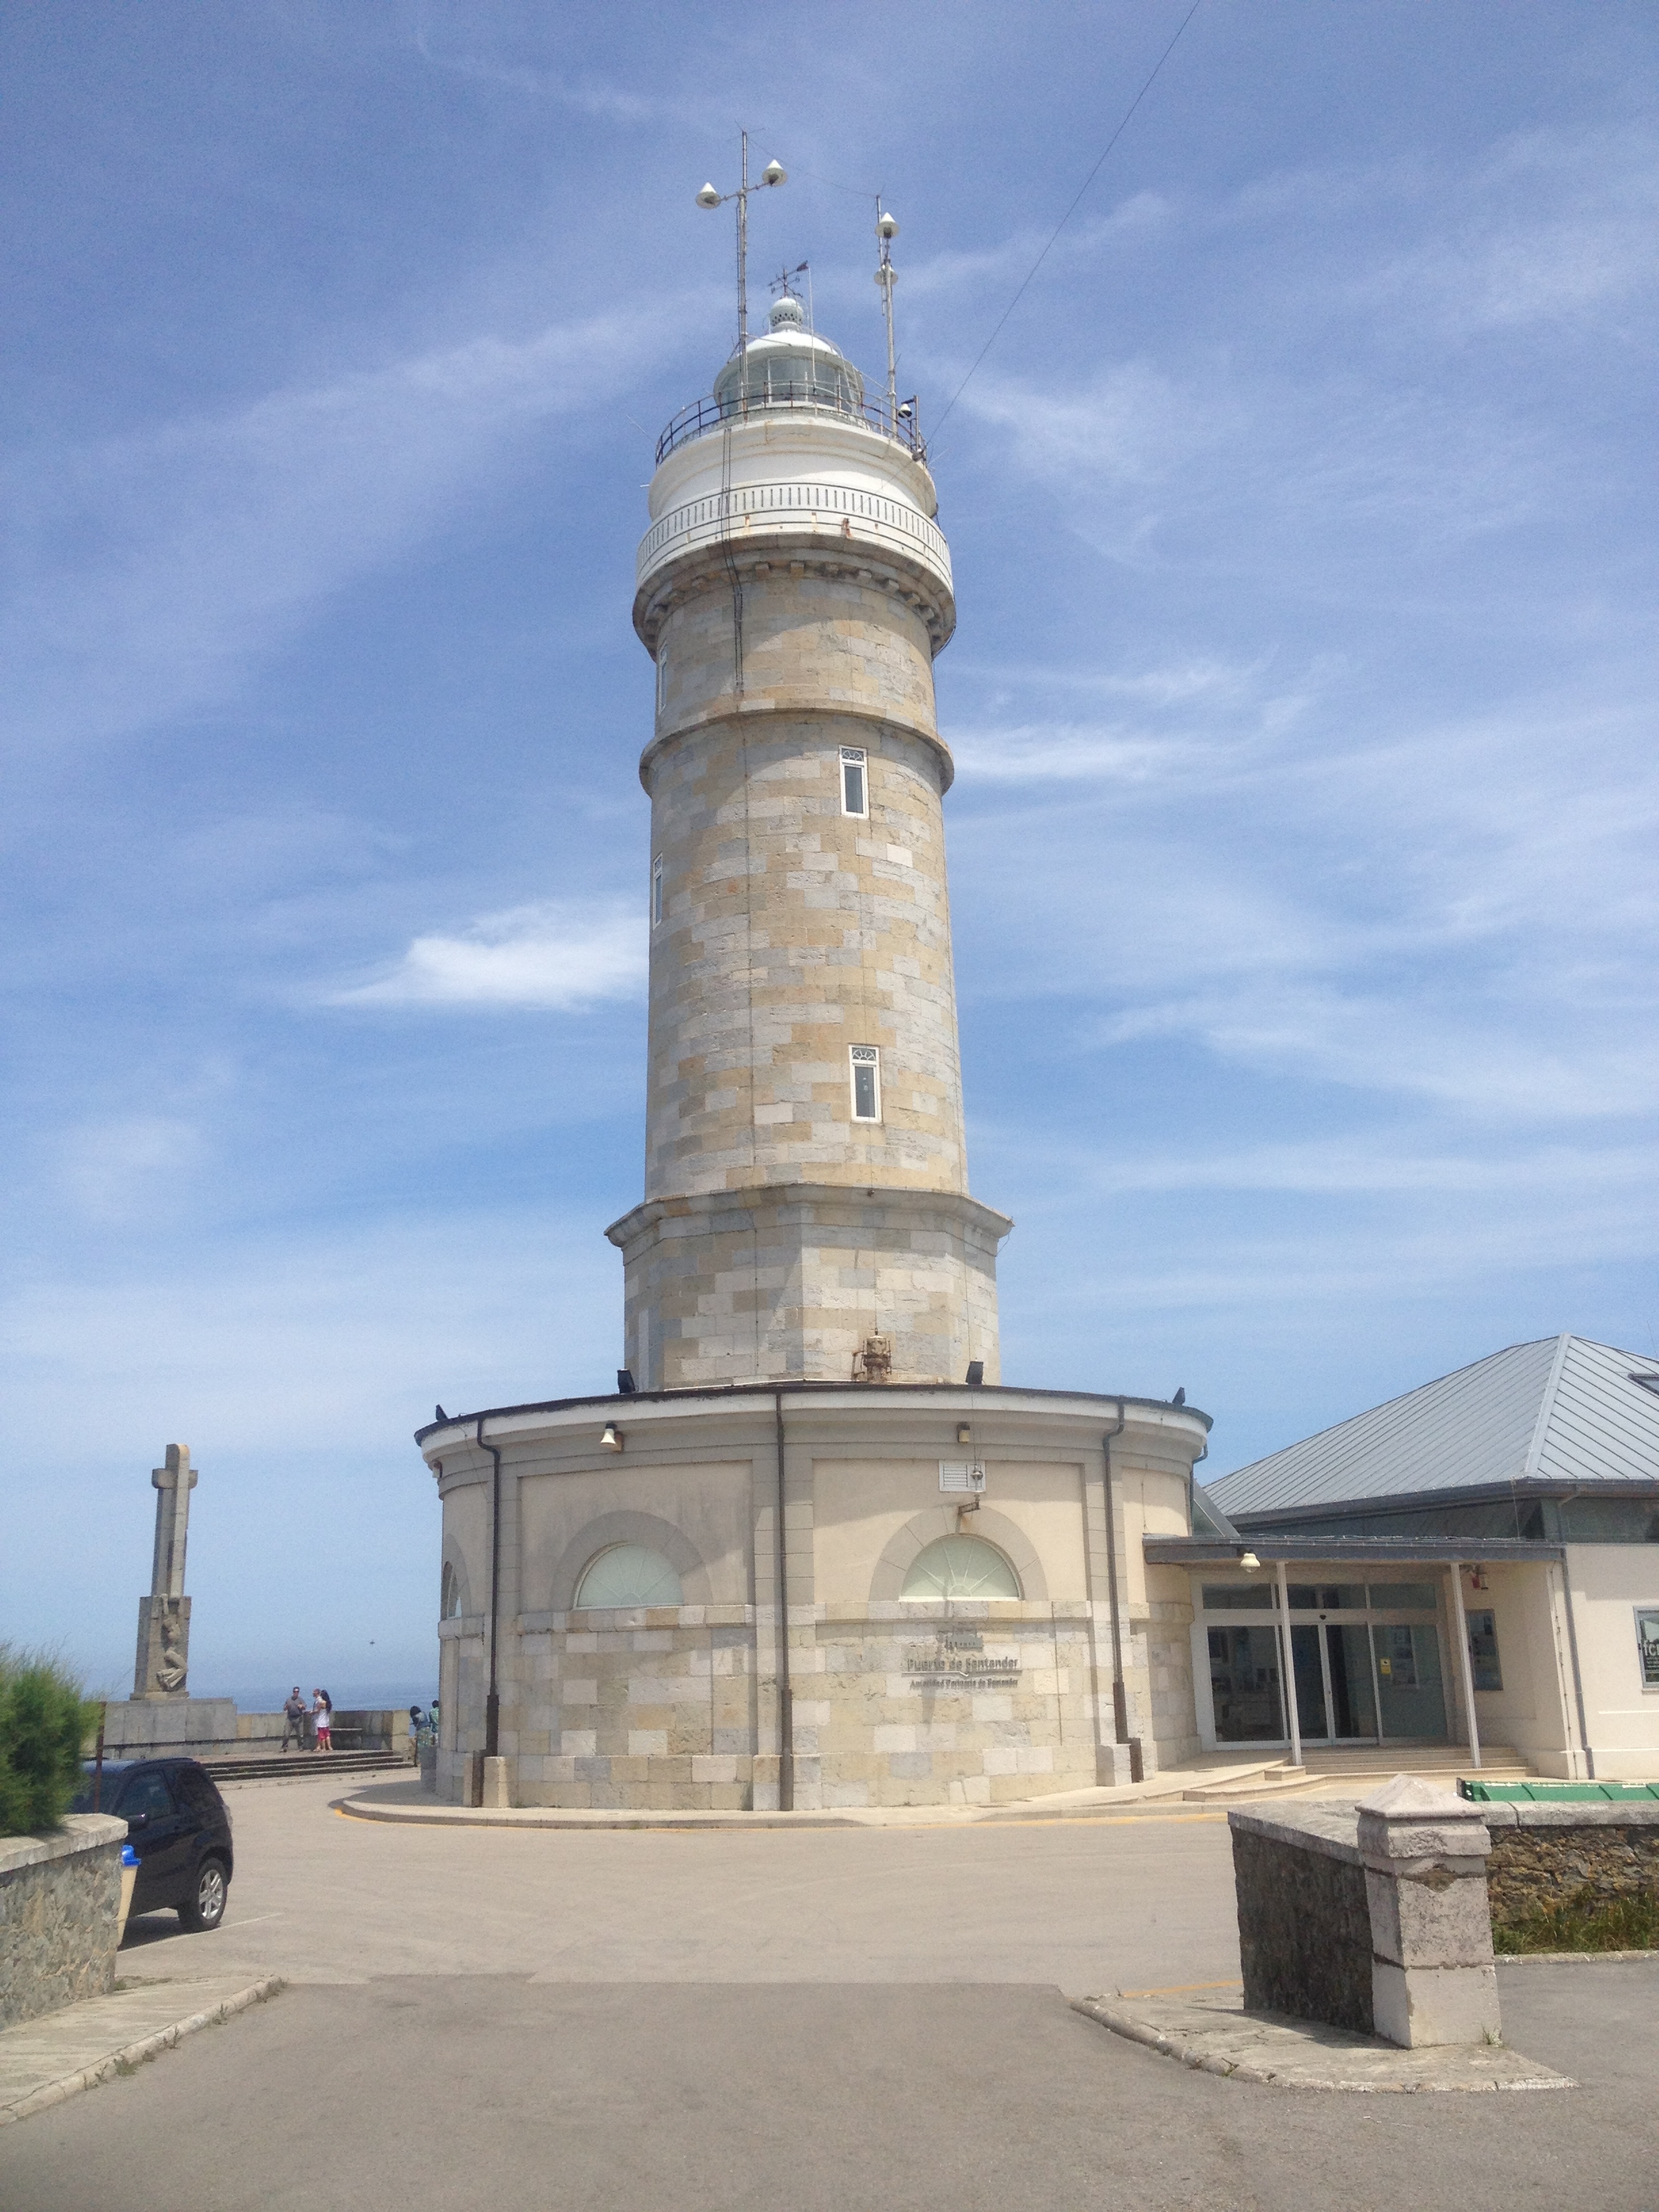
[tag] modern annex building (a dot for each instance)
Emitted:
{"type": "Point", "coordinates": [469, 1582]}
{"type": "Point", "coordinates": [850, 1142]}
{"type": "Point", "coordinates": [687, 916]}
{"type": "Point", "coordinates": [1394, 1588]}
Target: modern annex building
{"type": "Point", "coordinates": [814, 1551]}
{"type": "Point", "coordinates": [1476, 1560]}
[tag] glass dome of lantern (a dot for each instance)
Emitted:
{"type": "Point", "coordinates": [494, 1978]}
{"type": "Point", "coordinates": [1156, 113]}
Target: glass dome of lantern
{"type": "Point", "coordinates": [789, 366]}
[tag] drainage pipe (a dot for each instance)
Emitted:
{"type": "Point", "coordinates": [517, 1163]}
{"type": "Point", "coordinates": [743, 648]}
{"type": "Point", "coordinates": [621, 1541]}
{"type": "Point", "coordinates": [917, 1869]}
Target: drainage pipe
{"type": "Point", "coordinates": [1466, 1666]}
{"type": "Point", "coordinates": [786, 1708]}
{"type": "Point", "coordinates": [1120, 1688]}
{"type": "Point", "coordinates": [492, 1699]}
{"type": "Point", "coordinates": [1577, 1678]}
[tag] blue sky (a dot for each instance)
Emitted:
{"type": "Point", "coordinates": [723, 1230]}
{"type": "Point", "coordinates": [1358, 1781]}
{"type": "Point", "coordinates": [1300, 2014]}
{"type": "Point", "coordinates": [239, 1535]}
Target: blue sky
{"type": "Point", "coordinates": [1302, 849]}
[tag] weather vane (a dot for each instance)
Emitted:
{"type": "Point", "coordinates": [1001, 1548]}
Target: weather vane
{"type": "Point", "coordinates": [773, 173]}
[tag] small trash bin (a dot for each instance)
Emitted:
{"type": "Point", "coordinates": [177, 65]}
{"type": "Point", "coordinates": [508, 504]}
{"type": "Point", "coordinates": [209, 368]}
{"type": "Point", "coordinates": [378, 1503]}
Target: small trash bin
{"type": "Point", "coordinates": [128, 1879]}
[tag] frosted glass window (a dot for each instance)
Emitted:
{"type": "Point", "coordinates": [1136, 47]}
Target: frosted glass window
{"type": "Point", "coordinates": [628, 1574]}
{"type": "Point", "coordinates": [854, 790]}
{"type": "Point", "coordinates": [960, 1566]}
{"type": "Point", "coordinates": [865, 1062]}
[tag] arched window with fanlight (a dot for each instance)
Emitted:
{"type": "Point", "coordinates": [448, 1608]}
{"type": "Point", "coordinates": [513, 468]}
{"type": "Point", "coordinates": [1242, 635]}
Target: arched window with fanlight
{"type": "Point", "coordinates": [628, 1575]}
{"type": "Point", "coordinates": [960, 1567]}
{"type": "Point", "coordinates": [452, 1597]}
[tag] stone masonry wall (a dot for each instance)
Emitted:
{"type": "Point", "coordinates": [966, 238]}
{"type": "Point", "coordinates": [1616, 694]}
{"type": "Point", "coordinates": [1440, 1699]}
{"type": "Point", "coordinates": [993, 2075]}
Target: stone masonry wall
{"type": "Point", "coordinates": [644, 1707]}
{"type": "Point", "coordinates": [1169, 1668]}
{"type": "Point", "coordinates": [1304, 1931]}
{"type": "Point", "coordinates": [790, 932]}
{"type": "Point", "coordinates": [60, 1898]}
{"type": "Point", "coordinates": [901, 1703]}
{"type": "Point", "coordinates": [790, 1282]}
{"type": "Point", "coordinates": [816, 634]}
{"type": "Point", "coordinates": [1533, 1866]}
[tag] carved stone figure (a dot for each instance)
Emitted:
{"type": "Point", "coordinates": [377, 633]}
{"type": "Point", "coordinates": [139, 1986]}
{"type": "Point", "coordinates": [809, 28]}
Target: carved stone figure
{"type": "Point", "coordinates": [163, 1660]}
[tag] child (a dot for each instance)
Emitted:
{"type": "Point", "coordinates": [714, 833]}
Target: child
{"type": "Point", "coordinates": [322, 1719]}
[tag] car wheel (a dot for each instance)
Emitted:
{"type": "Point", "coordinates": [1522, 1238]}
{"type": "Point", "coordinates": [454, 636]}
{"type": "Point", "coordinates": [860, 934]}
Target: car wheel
{"type": "Point", "coordinates": [206, 1907]}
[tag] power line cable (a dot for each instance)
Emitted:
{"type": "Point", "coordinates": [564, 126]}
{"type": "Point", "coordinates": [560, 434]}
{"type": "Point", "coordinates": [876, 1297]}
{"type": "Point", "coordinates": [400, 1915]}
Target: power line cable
{"type": "Point", "coordinates": [1129, 113]}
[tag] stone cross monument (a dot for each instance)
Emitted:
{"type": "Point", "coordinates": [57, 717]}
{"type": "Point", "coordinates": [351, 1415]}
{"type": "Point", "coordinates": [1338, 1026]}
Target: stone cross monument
{"type": "Point", "coordinates": [806, 1212]}
{"type": "Point", "coordinates": [164, 1615]}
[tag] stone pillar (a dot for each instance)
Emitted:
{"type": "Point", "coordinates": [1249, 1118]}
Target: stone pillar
{"type": "Point", "coordinates": [162, 1665]}
{"type": "Point", "coordinates": [1433, 1978]}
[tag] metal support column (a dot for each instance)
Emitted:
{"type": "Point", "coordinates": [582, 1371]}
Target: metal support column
{"type": "Point", "coordinates": [1292, 1713]}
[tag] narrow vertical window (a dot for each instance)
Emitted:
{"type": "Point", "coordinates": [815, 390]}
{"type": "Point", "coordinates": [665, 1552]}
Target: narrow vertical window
{"type": "Point", "coordinates": [656, 891]}
{"type": "Point", "coordinates": [866, 1082]}
{"type": "Point", "coordinates": [662, 679]}
{"type": "Point", "coordinates": [854, 791]}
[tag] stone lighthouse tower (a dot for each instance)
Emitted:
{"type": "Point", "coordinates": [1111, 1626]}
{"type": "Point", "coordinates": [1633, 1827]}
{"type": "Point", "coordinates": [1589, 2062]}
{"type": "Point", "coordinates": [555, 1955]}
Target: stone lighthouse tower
{"type": "Point", "coordinates": [812, 1552]}
{"type": "Point", "coordinates": [806, 1214]}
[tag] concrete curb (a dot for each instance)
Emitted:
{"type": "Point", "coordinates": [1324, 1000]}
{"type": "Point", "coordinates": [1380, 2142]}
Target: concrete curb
{"type": "Point", "coordinates": [917, 1816]}
{"type": "Point", "coordinates": [1315, 2059]}
{"type": "Point", "coordinates": [134, 2054]}
{"type": "Point", "coordinates": [1573, 1958]}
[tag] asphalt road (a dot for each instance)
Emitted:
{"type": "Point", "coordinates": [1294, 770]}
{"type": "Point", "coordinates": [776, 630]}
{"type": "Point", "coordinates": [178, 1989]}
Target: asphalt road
{"type": "Point", "coordinates": [837, 2019]}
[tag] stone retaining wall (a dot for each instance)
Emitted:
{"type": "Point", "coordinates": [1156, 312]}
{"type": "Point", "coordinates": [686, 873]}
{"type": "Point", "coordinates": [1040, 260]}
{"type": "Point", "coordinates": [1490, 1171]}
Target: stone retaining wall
{"type": "Point", "coordinates": [1541, 1855]}
{"type": "Point", "coordinates": [60, 1905]}
{"type": "Point", "coordinates": [1304, 1929]}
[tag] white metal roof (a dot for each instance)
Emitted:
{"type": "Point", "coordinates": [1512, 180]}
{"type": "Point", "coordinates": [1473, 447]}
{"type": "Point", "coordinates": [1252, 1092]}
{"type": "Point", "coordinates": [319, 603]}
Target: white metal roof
{"type": "Point", "coordinates": [1564, 1409]}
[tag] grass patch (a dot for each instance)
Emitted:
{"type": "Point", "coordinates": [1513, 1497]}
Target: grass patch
{"type": "Point", "coordinates": [1584, 1922]}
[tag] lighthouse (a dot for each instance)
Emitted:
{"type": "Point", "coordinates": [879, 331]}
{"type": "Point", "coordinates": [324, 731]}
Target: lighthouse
{"type": "Point", "coordinates": [812, 1552]}
{"type": "Point", "coordinates": [806, 1213]}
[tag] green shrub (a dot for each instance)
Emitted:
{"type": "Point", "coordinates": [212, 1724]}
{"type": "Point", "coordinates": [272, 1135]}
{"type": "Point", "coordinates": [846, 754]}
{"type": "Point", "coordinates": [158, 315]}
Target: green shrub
{"type": "Point", "coordinates": [45, 1719]}
{"type": "Point", "coordinates": [1586, 1921]}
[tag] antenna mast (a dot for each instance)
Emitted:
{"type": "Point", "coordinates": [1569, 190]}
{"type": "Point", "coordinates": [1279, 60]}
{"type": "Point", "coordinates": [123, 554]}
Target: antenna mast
{"type": "Point", "coordinates": [743, 251]}
{"type": "Point", "coordinates": [887, 277]}
{"type": "Point", "coordinates": [773, 173]}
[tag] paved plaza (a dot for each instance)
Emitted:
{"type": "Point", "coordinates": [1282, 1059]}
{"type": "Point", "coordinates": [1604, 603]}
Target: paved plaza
{"type": "Point", "coordinates": [836, 2018]}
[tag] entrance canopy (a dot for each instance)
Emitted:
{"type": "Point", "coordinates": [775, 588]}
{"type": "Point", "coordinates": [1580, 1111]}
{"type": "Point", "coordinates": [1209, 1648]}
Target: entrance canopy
{"type": "Point", "coordinates": [1355, 1641]}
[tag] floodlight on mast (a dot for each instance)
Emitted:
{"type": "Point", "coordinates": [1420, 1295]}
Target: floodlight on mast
{"type": "Point", "coordinates": [710, 196]}
{"type": "Point", "coordinates": [887, 277]}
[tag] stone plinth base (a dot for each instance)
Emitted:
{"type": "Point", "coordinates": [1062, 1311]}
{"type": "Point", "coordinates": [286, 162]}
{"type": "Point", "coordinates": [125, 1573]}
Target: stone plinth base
{"type": "Point", "coordinates": [788, 1281]}
{"type": "Point", "coordinates": [148, 1728]}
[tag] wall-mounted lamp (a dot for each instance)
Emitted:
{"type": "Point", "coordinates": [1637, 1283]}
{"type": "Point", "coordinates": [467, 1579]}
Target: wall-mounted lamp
{"type": "Point", "coordinates": [1247, 1560]}
{"type": "Point", "coordinates": [965, 1433]}
{"type": "Point", "coordinates": [609, 1437]}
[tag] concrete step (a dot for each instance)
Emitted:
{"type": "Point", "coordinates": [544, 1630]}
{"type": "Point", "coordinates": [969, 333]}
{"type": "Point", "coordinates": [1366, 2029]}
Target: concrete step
{"type": "Point", "coordinates": [307, 1762]}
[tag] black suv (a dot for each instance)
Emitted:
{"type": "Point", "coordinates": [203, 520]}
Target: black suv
{"type": "Point", "coordinates": [177, 1826]}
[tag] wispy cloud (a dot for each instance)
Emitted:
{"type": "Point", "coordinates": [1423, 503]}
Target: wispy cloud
{"type": "Point", "coordinates": [120, 1173]}
{"type": "Point", "coordinates": [548, 955]}
{"type": "Point", "coordinates": [152, 568]}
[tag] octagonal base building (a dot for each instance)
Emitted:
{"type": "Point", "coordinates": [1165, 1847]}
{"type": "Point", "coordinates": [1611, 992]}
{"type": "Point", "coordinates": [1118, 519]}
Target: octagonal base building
{"type": "Point", "coordinates": [815, 1553]}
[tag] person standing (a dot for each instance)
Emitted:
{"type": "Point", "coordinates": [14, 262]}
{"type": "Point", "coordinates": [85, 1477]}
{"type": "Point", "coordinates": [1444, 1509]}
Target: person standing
{"type": "Point", "coordinates": [294, 1717]}
{"type": "Point", "coordinates": [322, 1719]}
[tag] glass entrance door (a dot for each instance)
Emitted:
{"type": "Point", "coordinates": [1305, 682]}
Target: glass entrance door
{"type": "Point", "coordinates": [1408, 1683]}
{"type": "Point", "coordinates": [1363, 1674]}
{"type": "Point", "coordinates": [1333, 1701]}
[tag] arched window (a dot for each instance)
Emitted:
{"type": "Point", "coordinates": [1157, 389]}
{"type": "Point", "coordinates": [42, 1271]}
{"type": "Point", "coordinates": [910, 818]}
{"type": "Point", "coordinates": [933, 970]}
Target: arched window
{"type": "Point", "coordinates": [628, 1574]}
{"type": "Point", "coordinates": [960, 1566]}
{"type": "Point", "coordinates": [449, 1595]}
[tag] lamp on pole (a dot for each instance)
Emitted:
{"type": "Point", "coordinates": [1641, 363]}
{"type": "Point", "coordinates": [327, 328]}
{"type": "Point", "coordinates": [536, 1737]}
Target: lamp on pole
{"type": "Point", "coordinates": [887, 277]}
{"type": "Point", "coordinates": [709, 197]}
